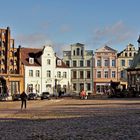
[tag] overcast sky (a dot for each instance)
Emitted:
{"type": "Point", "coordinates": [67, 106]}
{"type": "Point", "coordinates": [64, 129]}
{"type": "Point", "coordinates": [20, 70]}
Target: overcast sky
{"type": "Point", "coordinates": [35, 23]}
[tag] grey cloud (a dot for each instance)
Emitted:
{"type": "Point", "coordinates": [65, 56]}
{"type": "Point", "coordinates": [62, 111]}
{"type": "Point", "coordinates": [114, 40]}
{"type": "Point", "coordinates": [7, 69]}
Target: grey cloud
{"type": "Point", "coordinates": [65, 29]}
{"type": "Point", "coordinates": [113, 35]}
{"type": "Point", "coordinates": [34, 39]}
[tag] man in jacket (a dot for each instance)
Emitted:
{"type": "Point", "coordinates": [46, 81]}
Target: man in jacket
{"type": "Point", "coordinates": [23, 97]}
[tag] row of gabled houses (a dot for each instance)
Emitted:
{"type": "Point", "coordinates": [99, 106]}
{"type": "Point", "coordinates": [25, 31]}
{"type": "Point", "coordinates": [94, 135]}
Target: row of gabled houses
{"type": "Point", "coordinates": [40, 69]}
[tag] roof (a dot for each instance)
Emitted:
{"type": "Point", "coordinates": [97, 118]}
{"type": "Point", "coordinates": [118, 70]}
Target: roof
{"type": "Point", "coordinates": [136, 61]}
{"type": "Point", "coordinates": [26, 53]}
{"type": "Point", "coordinates": [138, 39]}
{"type": "Point", "coordinates": [77, 44]}
{"type": "Point", "coordinates": [106, 48]}
{"type": "Point", "coordinates": [35, 53]}
{"type": "Point", "coordinates": [63, 65]}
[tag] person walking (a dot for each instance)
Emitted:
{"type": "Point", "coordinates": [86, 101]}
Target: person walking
{"type": "Point", "coordinates": [23, 97]}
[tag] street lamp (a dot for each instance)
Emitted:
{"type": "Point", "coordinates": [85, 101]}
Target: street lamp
{"type": "Point", "coordinates": [137, 83]}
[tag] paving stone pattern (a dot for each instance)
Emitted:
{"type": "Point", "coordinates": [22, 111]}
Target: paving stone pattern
{"type": "Point", "coordinates": [71, 119]}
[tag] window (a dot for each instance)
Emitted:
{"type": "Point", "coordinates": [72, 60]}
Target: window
{"type": "Point", "coordinates": [98, 62]}
{"type": "Point", "coordinates": [11, 62]}
{"type": "Point", "coordinates": [123, 62]}
{"type": "Point", "coordinates": [68, 63]}
{"type": "Point", "coordinates": [31, 60]}
{"type": "Point", "coordinates": [130, 54]}
{"type": "Point", "coordinates": [48, 73]}
{"type": "Point", "coordinates": [122, 74]}
{"type": "Point", "coordinates": [48, 61]}
{"type": "Point", "coordinates": [113, 63]}
{"type": "Point", "coordinates": [106, 74]}
{"type": "Point", "coordinates": [2, 53]}
{"type": "Point", "coordinates": [3, 43]}
{"type": "Point", "coordinates": [64, 75]}
{"type": "Point", "coordinates": [106, 63]}
{"type": "Point", "coordinates": [88, 74]}
{"type": "Point", "coordinates": [74, 63]}
{"type": "Point", "coordinates": [78, 51]}
{"type": "Point", "coordinates": [130, 62]}
{"type": "Point", "coordinates": [2, 61]}
{"type": "Point", "coordinates": [11, 71]}
{"type": "Point", "coordinates": [15, 71]}
{"type": "Point", "coordinates": [81, 63]}
{"type": "Point", "coordinates": [2, 70]}
{"type": "Point", "coordinates": [74, 52]}
{"type": "Point", "coordinates": [74, 74]}
{"type": "Point", "coordinates": [99, 74]}
{"type": "Point", "coordinates": [59, 63]}
{"type": "Point", "coordinates": [113, 74]}
{"type": "Point", "coordinates": [81, 74]}
{"type": "Point", "coordinates": [81, 52]}
{"type": "Point", "coordinates": [37, 88]}
{"type": "Point", "coordinates": [88, 63]}
{"type": "Point", "coordinates": [30, 73]}
{"type": "Point", "coordinates": [37, 73]}
{"type": "Point", "coordinates": [59, 74]}
{"type": "Point", "coordinates": [125, 54]}
{"type": "Point", "coordinates": [30, 88]}
{"type": "Point", "coordinates": [15, 62]}
{"type": "Point", "coordinates": [88, 86]}
{"type": "Point", "coordinates": [74, 87]}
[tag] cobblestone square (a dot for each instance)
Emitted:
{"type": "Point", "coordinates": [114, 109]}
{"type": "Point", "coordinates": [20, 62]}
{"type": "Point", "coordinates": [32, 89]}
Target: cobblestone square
{"type": "Point", "coordinates": [71, 119]}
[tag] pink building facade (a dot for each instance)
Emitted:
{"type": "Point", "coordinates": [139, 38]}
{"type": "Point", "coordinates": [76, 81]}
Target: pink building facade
{"type": "Point", "coordinates": [105, 69]}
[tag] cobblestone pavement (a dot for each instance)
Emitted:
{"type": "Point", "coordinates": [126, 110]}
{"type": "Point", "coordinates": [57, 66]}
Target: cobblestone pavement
{"type": "Point", "coordinates": [71, 119]}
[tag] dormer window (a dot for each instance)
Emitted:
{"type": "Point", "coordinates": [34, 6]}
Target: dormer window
{"type": "Point", "coordinates": [59, 63]}
{"type": "Point", "coordinates": [31, 60]}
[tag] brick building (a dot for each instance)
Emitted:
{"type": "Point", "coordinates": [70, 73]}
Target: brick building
{"type": "Point", "coordinates": [11, 77]}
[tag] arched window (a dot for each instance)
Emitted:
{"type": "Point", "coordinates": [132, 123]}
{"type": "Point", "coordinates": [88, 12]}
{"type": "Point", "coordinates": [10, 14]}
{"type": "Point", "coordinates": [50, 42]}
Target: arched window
{"type": "Point", "coordinates": [11, 62]}
{"type": "Point", "coordinates": [2, 70]}
{"type": "Point", "coordinates": [2, 52]}
{"type": "Point", "coordinates": [3, 43]}
{"type": "Point", "coordinates": [11, 71]}
{"type": "Point", "coordinates": [74, 52]}
{"type": "Point", "coordinates": [2, 61]}
{"type": "Point", "coordinates": [78, 51]}
{"type": "Point", "coordinates": [15, 71]}
{"type": "Point", "coordinates": [15, 62]}
{"type": "Point", "coordinates": [81, 52]}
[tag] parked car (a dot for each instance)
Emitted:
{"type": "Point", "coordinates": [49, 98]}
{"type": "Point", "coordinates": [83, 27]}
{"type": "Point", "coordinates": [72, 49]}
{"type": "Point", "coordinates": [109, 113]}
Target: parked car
{"type": "Point", "coordinates": [32, 96]}
{"type": "Point", "coordinates": [45, 95]}
{"type": "Point", "coordinates": [16, 97]}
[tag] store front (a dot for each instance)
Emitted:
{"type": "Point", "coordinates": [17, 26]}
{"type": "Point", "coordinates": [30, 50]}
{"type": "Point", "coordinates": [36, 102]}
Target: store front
{"type": "Point", "coordinates": [102, 88]}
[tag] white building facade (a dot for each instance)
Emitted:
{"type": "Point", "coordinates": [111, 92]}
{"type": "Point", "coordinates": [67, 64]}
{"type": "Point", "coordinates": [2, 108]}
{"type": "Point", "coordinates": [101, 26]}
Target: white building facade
{"type": "Point", "coordinates": [44, 71]}
{"type": "Point", "coordinates": [80, 61]}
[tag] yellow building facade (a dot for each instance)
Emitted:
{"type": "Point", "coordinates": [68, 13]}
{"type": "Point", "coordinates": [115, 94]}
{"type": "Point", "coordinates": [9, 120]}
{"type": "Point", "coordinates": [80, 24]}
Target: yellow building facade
{"type": "Point", "coordinates": [125, 59]}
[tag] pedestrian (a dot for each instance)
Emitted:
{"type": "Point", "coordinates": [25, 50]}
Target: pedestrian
{"type": "Point", "coordinates": [59, 93]}
{"type": "Point", "coordinates": [23, 97]}
{"type": "Point", "coordinates": [83, 94]}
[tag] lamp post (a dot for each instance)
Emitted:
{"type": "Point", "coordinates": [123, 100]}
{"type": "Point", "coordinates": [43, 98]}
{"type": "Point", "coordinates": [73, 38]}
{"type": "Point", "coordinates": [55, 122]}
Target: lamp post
{"type": "Point", "coordinates": [137, 83]}
{"type": "Point", "coordinates": [55, 85]}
